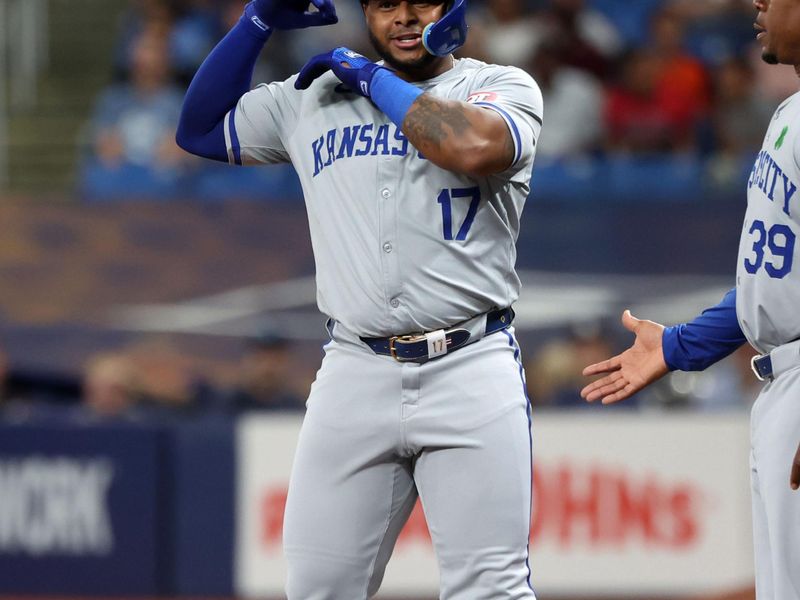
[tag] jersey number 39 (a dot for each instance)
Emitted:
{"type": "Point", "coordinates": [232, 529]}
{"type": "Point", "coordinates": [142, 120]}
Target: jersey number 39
{"type": "Point", "coordinates": [780, 240]}
{"type": "Point", "coordinates": [446, 200]}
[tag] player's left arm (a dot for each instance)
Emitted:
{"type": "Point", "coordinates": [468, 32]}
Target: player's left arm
{"type": "Point", "coordinates": [460, 137]}
{"type": "Point", "coordinates": [477, 139]}
{"type": "Point", "coordinates": [794, 479]}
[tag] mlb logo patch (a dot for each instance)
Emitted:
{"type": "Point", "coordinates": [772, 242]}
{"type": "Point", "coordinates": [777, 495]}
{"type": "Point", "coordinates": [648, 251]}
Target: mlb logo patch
{"type": "Point", "coordinates": [482, 97]}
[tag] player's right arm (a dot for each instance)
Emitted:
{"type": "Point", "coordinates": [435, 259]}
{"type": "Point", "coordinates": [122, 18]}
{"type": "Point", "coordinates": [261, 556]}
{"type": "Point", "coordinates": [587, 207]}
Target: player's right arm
{"type": "Point", "coordinates": [225, 75]}
{"type": "Point", "coordinates": [658, 350]}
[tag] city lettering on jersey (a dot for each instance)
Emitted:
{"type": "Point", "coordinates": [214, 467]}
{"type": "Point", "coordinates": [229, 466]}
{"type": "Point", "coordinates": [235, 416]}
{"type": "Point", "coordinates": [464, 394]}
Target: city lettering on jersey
{"type": "Point", "coordinates": [55, 506]}
{"type": "Point", "coordinates": [356, 141]}
{"type": "Point", "coordinates": [770, 179]}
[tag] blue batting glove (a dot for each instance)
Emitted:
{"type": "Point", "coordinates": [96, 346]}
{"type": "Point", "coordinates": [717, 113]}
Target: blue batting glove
{"type": "Point", "coordinates": [289, 14]}
{"type": "Point", "coordinates": [354, 70]}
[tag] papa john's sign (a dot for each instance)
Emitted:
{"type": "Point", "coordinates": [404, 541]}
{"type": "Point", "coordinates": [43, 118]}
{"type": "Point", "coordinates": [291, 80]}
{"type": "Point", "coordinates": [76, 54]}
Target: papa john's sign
{"type": "Point", "coordinates": [623, 505]}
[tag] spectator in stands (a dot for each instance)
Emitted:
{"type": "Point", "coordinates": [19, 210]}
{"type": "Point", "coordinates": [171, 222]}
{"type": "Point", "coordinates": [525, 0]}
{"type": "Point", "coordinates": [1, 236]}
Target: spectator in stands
{"type": "Point", "coordinates": [590, 41]}
{"type": "Point", "coordinates": [150, 379]}
{"type": "Point", "coordinates": [554, 372]}
{"type": "Point", "coordinates": [264, 381]}
{"type": "Point", "coordinates": [191, 28]}
{"type": "Point", "coordinates": [740, 116]}
{"type": "Point", "coordinates": [132, 131]}
{"type": "Point", "coordinates": [194, 33]}
{"type": "Point", "coordinates": [508, 32]}
{"type": "Point", "coordinates": [638, 117]}
{"type": "Point", "coordinates": [109, 387]}
{"type": "Point", "coordinates": [167, 382]}
{"type": "Point", "coordinates": [574, 105]}
{"type": "Point", "coordinates": [739, 120]}
{"type": "Point", "coordinates": [142, 15]}
{"type": "Point", "coordinates": [683, 86]}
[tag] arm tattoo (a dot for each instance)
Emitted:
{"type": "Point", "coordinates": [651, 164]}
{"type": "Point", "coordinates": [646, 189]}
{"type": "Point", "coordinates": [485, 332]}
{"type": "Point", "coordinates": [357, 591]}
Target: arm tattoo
{"type": "Point", "coordinates": [429, 120]}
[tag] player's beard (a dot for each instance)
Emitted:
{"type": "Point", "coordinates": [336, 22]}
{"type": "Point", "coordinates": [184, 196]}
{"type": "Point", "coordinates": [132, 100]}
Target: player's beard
{"type": "Point", "coordinates": [415, 67]}
{"type": "Point", "coordinates": [769, 57]}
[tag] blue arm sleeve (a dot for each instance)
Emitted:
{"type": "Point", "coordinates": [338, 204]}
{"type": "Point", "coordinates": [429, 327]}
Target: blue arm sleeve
{"type": "Point", "coordinates": [707, 339]}
{"type": "Point", "coordinates": [221, 80]}
{"type": "Point", "coordinates": [393, 95]}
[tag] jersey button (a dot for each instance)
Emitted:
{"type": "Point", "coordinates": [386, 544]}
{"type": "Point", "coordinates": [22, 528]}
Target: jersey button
{"type": "Point", "coordinates": [386, 193]}
{"type": "Point", "coordinates": [387, 247]}
{"type": "Point", "coordinates": [395, 302]}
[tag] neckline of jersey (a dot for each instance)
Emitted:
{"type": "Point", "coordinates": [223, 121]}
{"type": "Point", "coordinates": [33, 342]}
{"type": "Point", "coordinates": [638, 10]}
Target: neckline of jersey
{"type": "Point", "coordinates": [457, 66]}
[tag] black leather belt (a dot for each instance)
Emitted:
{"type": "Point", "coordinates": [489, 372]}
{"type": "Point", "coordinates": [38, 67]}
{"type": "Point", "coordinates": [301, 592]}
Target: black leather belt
{"type": "Point", "coordinates": [417, 347]}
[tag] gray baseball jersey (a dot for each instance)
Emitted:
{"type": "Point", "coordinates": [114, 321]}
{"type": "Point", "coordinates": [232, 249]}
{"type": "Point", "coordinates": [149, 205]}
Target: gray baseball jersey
{"type": "Point", "coordinates": [400, 244]}
{"type": "Point", "coordinates": [768, 308]}
{"type": "Point", "coordinates": [768, 280]}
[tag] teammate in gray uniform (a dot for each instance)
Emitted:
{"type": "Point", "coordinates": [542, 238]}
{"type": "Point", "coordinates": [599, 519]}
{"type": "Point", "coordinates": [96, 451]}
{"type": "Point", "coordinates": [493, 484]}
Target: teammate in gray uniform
{"type": "Point", "coordinates": [763, 309]}
{"type": "Point", "coordinates": [415, 171]}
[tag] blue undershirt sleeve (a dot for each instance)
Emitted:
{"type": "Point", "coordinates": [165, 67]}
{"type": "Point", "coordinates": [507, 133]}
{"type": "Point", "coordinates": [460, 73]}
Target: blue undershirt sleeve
{"type": "Point", "coordinates": [221, 80]}
{"type": "Point", "coordinates": [710, 337]}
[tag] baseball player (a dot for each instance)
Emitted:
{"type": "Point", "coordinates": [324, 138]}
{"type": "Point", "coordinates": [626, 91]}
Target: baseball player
{"type": "Point", "coordinates": [414, 170]}
{"type": "Point", "coordinates": [763, 309]}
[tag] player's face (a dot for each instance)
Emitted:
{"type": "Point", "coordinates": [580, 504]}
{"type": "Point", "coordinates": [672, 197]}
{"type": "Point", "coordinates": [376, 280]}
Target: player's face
{"type": "Point", "coordinates": [395, 30]}
{"type": "Point", "coordinates": [778, 26]}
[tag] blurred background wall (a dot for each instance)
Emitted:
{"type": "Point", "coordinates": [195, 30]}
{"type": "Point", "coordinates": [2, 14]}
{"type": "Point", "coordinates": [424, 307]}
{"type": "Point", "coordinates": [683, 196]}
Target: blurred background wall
{"type": "Point", "coordinates": [158, 329]}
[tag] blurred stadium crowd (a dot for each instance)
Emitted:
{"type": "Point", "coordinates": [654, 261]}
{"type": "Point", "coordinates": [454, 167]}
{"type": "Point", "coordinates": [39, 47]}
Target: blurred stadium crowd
{"type": "Point", "coordinates": [623, 82]}
{"type": "Point", "coordinates": [626, 84]}
{"type": "Point", "coordinates": [153, 380]}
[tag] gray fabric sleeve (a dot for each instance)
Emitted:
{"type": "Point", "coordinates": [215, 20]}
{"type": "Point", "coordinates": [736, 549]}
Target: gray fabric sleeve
{"type": "Point", "coordinates": [516, 97]}
{"type": "Point", "coordinates": [256, 130]}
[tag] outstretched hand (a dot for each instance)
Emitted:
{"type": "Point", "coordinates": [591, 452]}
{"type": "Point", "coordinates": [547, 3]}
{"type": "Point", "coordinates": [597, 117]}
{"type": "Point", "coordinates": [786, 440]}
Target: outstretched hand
{"type": "Point", "coordinates": [291, 14]}
{"type": "Point", "coordinates": [637, 367]}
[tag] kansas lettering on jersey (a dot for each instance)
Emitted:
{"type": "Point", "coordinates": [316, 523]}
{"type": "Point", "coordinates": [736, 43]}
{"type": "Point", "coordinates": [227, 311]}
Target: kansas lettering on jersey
{"type": "Point", "coordinates": [400, 244]}
{"type": "Point", "coordinates": [362, 139]}
{"type": "Point", "coordinates": [768, 270]}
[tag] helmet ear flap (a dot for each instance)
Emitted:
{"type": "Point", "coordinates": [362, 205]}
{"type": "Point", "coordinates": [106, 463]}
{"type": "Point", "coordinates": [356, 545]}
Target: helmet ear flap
{"type": "Point", "coordinates": [448, 33]}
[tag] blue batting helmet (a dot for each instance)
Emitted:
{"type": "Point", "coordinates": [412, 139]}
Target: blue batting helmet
{"type": "Point", "coordinates": [448, 33]}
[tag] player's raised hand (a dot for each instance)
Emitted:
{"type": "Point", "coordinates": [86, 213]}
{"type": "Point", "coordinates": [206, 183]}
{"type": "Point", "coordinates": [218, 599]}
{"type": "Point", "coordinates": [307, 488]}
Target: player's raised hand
{"type": "Point", "coordinates": [352, 69]}
{"type": "Point", "coordinates": [794, 479]}
{"type": "Point", "coordinates": [291, 14]}
{"type": "Point", "coordinates": [634, 369]}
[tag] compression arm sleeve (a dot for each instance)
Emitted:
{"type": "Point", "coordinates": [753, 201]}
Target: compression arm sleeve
{"type": "Point", "coordinates": [393, 95]}
{"type": "Point", "coordinates": [710, 337]}
{"type": "Point", "coordinates": [221, 80]}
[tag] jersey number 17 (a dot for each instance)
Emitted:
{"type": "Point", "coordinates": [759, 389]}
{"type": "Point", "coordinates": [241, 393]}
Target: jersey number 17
{"type": "Point", "coordinates": [445, 198]}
